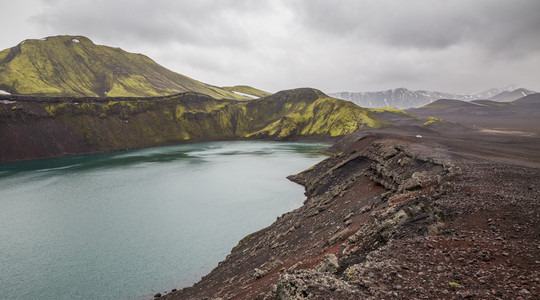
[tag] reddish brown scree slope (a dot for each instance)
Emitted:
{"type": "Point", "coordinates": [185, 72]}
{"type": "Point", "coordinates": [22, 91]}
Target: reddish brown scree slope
{"type": "Point", "coordinates": [395, 217]}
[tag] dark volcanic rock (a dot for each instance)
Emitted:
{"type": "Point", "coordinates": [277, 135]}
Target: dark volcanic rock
{"type": "Point", "coordinates": [329, 264]}
{"type": "Point", "coordinates": [394, 217]}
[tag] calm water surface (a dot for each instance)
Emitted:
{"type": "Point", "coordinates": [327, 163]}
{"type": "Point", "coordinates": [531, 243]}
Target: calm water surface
{"type": "Point", "coordinates": [127, 225]}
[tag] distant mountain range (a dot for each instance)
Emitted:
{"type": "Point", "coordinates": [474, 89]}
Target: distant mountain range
{"type": "Point", "coordinates": [75, 66]}
{"type": "Point", "coordinates": [403, 98]}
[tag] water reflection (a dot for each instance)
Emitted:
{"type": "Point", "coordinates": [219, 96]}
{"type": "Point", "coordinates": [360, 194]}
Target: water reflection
{"type": "Point", "coordinates": [196, 153]}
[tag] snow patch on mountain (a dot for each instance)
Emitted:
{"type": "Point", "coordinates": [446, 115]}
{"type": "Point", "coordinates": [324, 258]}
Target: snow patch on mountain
{"type": "Point", "coordinates": [246, 95]}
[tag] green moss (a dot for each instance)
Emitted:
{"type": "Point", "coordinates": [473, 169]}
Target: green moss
{"type": "Point", "coordinates": [130, 85]}
{"type": "Point", "coordinates": [4, 54]}
{"type": "Point", "coordinates": [432, 120]}
{"type": "Point", "coordinates": [380, 110]}
{"type": "Point", "coordinates": [112, 125]}
{"type": "Point", "coordinates": [319, 115]}
{"type": "Point", "coordinates": [179, 111]}
{"type": "Point", "coordinates": [51, 110]}
{"type": "Point", "coordinates": [168, 115]}
{"type": "Point", "coordinates": [61, 66]}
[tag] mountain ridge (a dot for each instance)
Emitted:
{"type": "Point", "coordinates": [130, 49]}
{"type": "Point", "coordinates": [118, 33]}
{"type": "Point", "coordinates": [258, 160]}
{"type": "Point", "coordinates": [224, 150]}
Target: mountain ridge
{"type": "Point", "coordinates": [404, 98]}
{"type": "Point", "coordinates": [40, 127]}
{"type": "Point", "coordinates": [75, 66]}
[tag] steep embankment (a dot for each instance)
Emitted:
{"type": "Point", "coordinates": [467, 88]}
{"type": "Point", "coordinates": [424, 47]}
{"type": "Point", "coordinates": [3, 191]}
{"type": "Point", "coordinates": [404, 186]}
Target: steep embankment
{"type": "Point", "coordinates": [44, 127]}
{"type": "Point", "coordinates": [393, 217]}
{"type": "Point", "coordinates": [75, 66]}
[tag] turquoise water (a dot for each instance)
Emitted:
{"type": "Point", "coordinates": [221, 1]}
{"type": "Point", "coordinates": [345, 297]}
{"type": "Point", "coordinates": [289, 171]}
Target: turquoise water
{"type": "Point", "coordinates": [127, 225]}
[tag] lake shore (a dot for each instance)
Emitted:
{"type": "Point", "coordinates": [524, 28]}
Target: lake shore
{"type": "Point", "coordinates": [397, 215]}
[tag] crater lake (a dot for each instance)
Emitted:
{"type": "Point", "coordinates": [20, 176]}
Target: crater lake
{"type": "Point", "coordinates": [127, 225]}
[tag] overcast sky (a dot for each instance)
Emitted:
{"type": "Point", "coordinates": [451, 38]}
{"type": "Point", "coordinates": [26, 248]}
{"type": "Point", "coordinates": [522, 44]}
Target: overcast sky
{"type": "Point", "coordinates": [462, 46]}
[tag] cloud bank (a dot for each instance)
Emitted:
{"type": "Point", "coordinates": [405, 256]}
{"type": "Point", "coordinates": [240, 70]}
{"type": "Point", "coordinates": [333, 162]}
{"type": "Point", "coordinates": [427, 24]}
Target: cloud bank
{"type": "Point", "coordinates": [334, 45]}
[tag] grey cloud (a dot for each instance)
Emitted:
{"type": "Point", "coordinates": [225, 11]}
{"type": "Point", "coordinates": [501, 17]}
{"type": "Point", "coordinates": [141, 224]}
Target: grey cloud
{"type": "Point", "coordinates": [202, 22]}
{"type": "Point", "coordinates": [427, 23]}
{"type": "Point", "coordinates": [401, 24]}
{"type": "Point", "coordinates": [334, 45]}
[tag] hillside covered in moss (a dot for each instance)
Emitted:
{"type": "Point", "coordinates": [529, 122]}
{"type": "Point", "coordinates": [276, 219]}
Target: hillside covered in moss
{"type": "Point", "coordinates": [72, 66]}
{"type": "Point", "coordinates": [39, 127]}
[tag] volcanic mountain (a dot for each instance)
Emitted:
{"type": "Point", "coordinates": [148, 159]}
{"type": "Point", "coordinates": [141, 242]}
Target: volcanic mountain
{"type": "Point", "coordinates": [75, 66]}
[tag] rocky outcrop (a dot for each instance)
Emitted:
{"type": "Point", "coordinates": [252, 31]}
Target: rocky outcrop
{"type": "Point", "coordinates": [303, 284]}
{"type": "Point", "coordinates": [357, 202]}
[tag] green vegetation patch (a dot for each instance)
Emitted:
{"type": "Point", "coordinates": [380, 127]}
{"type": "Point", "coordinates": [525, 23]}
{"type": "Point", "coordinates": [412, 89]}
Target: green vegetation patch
{"type": "Point", "coordinates": [73, 66]}
{"type": "Point", "coordinates": [79, 125]}
{"type": "Point", "coordinates": [389, 109]}
{"type": "Point", "coordinates": [432, 120]}
{"type": "Point", "coordinates": [319, 115]}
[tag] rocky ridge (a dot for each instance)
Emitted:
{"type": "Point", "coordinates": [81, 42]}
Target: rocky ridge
{"type": "Point", "coordinates": [393, 217]}
{"type": "Point", "coordinates": [42, 127]}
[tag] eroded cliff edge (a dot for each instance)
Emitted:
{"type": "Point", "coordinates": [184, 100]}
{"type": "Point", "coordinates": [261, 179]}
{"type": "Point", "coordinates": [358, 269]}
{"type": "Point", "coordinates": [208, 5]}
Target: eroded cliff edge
{"type": "Point", "coordinates": [393, 217]}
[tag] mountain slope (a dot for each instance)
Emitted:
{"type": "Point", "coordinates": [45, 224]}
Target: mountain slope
{"type": "Point", "coordinates": [75, 66]}
{"type": "Point", "coordinates": [521, 116]}
{"type": "Point", "coordinates": [309, 112]}
{"type": "Point", "coordinates": [508, 96]}
{"type": "Point", "coordinates": [33, 127]}
{"type": "Point", "coordinates": [533, 99]}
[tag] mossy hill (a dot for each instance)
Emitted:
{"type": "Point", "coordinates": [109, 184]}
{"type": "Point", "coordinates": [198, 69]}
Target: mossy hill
{"type": "Point", "coordinates": [74, 66]}
{"type": "Point", "coordinates": [37, 127]}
